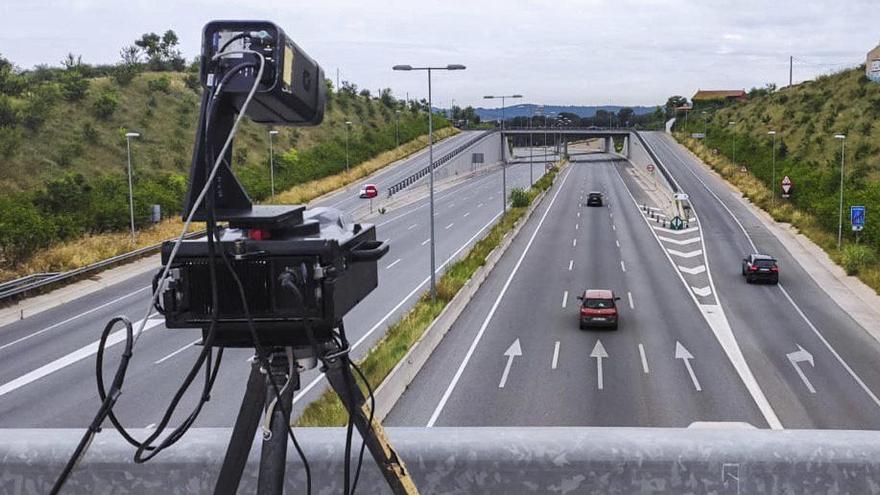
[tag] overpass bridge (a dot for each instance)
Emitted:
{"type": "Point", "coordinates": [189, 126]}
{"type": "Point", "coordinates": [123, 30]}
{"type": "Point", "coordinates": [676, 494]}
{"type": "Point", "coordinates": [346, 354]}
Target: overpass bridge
{"type": "Point", "coordinates": [562, 135]}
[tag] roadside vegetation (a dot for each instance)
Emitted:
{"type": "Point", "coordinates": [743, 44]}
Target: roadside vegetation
{"type": "Point", "coordinates": [63, 150]}
{"type": "Point", "coordinates": [400, 336]}
{"type": "Point", "coordinates": [806, 118]}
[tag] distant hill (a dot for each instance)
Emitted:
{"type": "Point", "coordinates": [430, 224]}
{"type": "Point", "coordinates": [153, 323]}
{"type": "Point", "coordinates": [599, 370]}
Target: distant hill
{"type": "Point", "coordinates": [528, 109]}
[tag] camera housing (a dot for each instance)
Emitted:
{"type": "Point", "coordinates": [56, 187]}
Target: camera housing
{"type": "Point", "coordinates": [292, 90]}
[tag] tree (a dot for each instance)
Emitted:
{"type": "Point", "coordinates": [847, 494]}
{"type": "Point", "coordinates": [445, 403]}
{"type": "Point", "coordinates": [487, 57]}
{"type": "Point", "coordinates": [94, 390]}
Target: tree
{"type": "Point", "coordinates": [674, 102]}
{"type": "Point", "coordinates": [162, 52]}
{"type": "Point", "coordinates": [625, 115]}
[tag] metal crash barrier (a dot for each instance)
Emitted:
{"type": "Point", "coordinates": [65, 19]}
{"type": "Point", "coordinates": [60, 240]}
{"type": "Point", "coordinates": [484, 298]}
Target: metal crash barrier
{"type": "Point", "coordinates": [478, 460]}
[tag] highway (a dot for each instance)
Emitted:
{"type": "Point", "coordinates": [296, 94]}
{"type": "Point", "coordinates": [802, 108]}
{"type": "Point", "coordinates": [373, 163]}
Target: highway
{"type": "Point", "coordinates": [695, 343]}
{"type": "Point", "coordinates": [47, 374]}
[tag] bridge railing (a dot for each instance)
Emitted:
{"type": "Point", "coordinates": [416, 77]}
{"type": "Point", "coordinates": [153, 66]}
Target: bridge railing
{"type": "Point", "coordinates": [722, 460]}
{"type": "Point", "coordinates": [413, 178]}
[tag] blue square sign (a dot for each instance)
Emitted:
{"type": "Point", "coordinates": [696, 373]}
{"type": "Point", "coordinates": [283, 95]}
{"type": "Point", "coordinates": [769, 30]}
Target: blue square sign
{"type": "Point", "coordinates": [857, 217]}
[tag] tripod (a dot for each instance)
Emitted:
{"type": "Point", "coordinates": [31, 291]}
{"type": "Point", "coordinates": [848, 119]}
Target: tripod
{"type": "Point", "coordinates": [273, 456]}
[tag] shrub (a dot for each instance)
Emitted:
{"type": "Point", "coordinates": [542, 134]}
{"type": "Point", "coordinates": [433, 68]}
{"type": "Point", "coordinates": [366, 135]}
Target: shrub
{"type": "Point", "coordinates": [10, 141]}
{"type": "Point", "coordinates": [89, 133]}
{"type": "Point", "coordinates": [519, 198]}
{"type": "Point", "coordinates": [161, 84]}
{"type": "Point", "coordinates": [73, 85]}
{"type": "Point", "coordinates": [105, 105]}
{"type": "Point", "coordinates": [124, 74]}
{"type": "Point", "coordinates": [856, 257]}
{"type": "Point", "coordinates": [191, 80]}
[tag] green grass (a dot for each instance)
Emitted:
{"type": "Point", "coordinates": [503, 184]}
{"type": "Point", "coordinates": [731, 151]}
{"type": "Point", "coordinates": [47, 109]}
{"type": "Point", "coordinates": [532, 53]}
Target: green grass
{"type": "Point", "coordinates": [327, 410]}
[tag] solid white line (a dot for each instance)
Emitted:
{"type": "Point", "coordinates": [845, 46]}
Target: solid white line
{"type": "Point", "coordinates": [564, 298]}
{"type": "Point", "coordinates": [574, 242]}
{"type": "Point", "coordinates": [66, 360]}
{"type": "Point", "coordinates": [630, 296]}
{"type": "Point", "coordinates": [570, 264]}
{"type": "Point", "coordinates": [450, 225]}
{"type": "Point", "coordinates": [187, 346]}
{"type": "Point", "coordinates": [56, 325]}
{"type": "Point", "coordinates": [426, 241]}
{"type": "Point", "coordinates": [393, 263]}
{"type": "Point", "coordinates": [482, 330]}
{"type": "Point", "coordinates": [555, 355]}
{"type": "Point", "coordinates": [412, 226]}
{"type": "Point", "coordinates": [315, 381]}
{"type": "Point", "coordinates": [644, 358]}
{"type": "Point", "coordinates": [465, 215]}
{"type": "Point", "coordinates": [622, 266]}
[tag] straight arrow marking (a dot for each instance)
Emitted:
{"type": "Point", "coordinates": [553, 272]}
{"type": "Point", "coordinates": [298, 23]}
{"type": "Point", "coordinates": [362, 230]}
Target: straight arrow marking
{"type": "Point", "coordinates": [513, 351]}
{"type": "Point", "coordinates": [599, 353]}
{"type": "Point", "coordinates": [684, 355]}
{"type": "Point", "coordinates": [799, 356]}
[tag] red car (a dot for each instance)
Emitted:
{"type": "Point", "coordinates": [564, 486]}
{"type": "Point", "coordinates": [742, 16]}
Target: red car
{"type": "Point", "coordinates": [598, 309]}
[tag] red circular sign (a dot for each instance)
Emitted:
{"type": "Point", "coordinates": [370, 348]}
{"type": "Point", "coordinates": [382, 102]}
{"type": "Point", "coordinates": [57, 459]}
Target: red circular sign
{"type": "Point", "coordinates": [650, 167]}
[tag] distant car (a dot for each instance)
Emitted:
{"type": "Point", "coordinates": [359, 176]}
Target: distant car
{"type": "Point", "coordinates": [594, 199]}
{"type": "Point", "coordinates": [369, 191]}
{"type": "Point", "coordinates": [598, 309]}
{"type": "Point", "coordinates": [760, 268]}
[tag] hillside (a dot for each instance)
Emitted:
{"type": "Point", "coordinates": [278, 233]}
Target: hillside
{"type": "Point", "coordinates": [806, 118]}
{"type": "Point", "coordinates": [63, 149]}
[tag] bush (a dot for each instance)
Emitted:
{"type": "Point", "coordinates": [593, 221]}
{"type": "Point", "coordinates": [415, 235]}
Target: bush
{"type": "Point", "coordinates": [10, 141]}
{"type": "Point", "coordinates": [191, 80]}
{"type": "Point", "coordinates": [23, 229]}
{"type": "Point", "coordinates": [519, 198]}
{"type": "Point", "coordinates": [105, 105]}
{"type": "Point", "coordinates": [124, 74]}
{"type": "Point", "coordinates": [161, 84]}
{"type": "Point", "coordinates": [73, 85]}
{"type": "Point", "coordinates": [856, 257]}
{"type": "Point", "coordinates": [8, 112]}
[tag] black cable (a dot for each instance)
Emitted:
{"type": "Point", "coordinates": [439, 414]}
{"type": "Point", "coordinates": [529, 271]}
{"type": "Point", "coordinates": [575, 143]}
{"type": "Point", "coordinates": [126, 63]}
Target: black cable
{"type": "Point", "coordinates": [107, 402]}
{"type": "Point", "coordinates": [357, 472]}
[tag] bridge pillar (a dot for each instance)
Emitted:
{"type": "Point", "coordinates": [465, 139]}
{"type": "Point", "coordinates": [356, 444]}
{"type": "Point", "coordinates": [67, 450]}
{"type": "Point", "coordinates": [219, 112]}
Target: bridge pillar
{"type": "Point", "coordinates": [626, 146]}
{"type": "Point", "coordinates": [609, 145]}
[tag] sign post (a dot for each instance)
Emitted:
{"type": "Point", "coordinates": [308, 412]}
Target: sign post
{"type": "Point", "coordinates": [787, 186]}
{"type": "Point", "coordinates": [857, 219]}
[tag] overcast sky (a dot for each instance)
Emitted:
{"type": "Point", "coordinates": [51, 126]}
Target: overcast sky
{"type": "Point", "coordinates": [629, 52]}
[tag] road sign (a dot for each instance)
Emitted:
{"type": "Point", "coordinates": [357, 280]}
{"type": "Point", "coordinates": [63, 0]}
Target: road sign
{"type": "Point", "coordinates": [650, 167]}
{"type": "Point", "coordinates": [677, 223]}
{"type": "Point", "coordinates": [857, 217]}
{"type": "Point", "coordinates": [698, 135]}
{"type": "Point", "coordinates": [787, 186]}
{"type": "Point", "coordinates": [680, 197]}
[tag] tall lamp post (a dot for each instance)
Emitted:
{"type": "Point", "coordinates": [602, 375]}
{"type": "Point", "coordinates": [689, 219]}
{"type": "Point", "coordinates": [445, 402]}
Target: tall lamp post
{"type": "Point", "coordinates": [705, 124]}
{"type": "Point", "coordinates": [128, 136]}
{"type": "Point", "coordinates": [773, 167]}
{"type": "Point", "coordinates": [431, 160]}
{"type": "Point", "coordinates": [503, 161]}
{"type": "Point", "coordinates": [733, 138]}
{"type": "Point", "coordinates": [842, 139]}
{"type": "Point", "coordinates": [398, 128]}
{"type": "Point", "coordinates": [272, 133]}
{"type": "Point", "coordinates": [531, 175]}
{"type": "Point", "coordinates": [347, 132]}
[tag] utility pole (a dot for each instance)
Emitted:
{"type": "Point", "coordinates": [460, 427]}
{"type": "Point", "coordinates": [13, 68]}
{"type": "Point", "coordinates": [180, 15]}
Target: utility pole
{"type": "Point", "coordinates": [773, 173]}
{"type": "Point", "coordinates": [842, 139]}
{"type": "Point", "coordinates": [790, 68]}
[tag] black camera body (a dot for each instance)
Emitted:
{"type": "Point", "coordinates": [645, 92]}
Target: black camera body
{"type": "Point", "coordinates": [292, 90]}
{"type": "Point", "coordinates": [299, 277]}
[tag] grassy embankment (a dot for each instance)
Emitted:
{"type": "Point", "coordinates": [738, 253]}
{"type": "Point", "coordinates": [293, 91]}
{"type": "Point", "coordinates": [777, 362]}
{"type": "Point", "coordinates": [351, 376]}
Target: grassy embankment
{"type": "Point", "coordinates": [400, 336]}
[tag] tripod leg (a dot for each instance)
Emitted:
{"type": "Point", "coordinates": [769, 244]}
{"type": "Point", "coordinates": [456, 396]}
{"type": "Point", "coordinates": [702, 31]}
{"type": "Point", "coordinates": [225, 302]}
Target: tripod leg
{"type": "Point", "coordinates": [338, 372]}
{"type": "Point", "coordinates": [273, 456]}
{"type": "Point", "coordinates": [243, 434]}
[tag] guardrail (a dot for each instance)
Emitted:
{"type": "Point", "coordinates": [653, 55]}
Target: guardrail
{"type": "Point", "coordinates": [725, 460]}
{"type": "Point", "coordinates": [20, 286]}
{"type": "Point", "coordinates": [413, 178]}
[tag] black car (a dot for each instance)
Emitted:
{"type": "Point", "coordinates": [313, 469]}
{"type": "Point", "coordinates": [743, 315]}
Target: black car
{"type": "Point", "coordinates": [760, 268]}
{"type": "Point", "coordinates": [594, 199]}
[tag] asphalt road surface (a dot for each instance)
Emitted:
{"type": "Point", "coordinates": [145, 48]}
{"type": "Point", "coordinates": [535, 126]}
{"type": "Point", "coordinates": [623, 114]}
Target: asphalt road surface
{"type": "Point", "coordinates": [47, 375]}
{"type": "Point", "coordinates": [695, 343]}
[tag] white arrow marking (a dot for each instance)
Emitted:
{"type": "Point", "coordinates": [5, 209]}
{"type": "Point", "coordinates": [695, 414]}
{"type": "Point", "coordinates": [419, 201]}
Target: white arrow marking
{"type": "Point", "coordinates": [684, 355]}
{"type": "Point", "coordinates": [702, 291]}
{"type": "Point", "coordinates": [677, 232]}
{"type": "Point", "coordinates": [693, 271]}
{"type": "Point", "coordinates": [680, 243]}
{"type": "Point", "coordinates": [690, 254]}
{"type": "Point", "coordinates": [799, 356]}
{"type": "Point", "coordinates": [513, 351]}
{"type": "Point", "coordinates": [600, 354]}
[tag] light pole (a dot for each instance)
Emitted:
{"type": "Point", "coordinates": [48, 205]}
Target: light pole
{"type": "Point", "coordinates": [773, 167]}
{"type": "Point", "coordinates": [128, 136]}
{"type": "Point", "coordinates": [398, 128]}
{"type": "Point", "coordinates": [272, 161]}
{"type": "Point", "coordinates": [531, 175]}
{"type": "Point", "coordinates": [705, 124]}
{"type": "Point", "coordinates": [503, 161]}
{"type": "Point", "coordinates": [347, 132]}
{"type": "Point", "coordinates": [842, 138]}
{"type": "Point", "coordinates": [733, 138]}
{"type": "Point", "coordinates": [431, 160]}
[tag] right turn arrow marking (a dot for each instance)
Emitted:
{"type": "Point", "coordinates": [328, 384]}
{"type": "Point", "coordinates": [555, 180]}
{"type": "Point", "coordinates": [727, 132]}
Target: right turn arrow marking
{"type": "Point", "coordinates": [599, 353]}
{"type": "Point", "coordinates": [799, 356]}
{"type": "Point", "coordinates": [684, 355]}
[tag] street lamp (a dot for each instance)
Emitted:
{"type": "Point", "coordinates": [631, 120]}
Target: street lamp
{"type": "Point", "coordinates": [773, 173]}
{"type": "Point", "coordinates": [842, 138]}
{"type": "Point", "coordinates": [347, 132]}
{"type": "Point", "coordinates": [503, 161]}
{"type": "Point", "coordinates": [272, 161]}
{"type": "Point", "coordinates": [398, 128]}
{"type": "Point", "coordinates": [431, 159]}
{"type": "Point", "coordinates": [128, 136]}
{"type": "Point", "coordinates": [705, 124]}
{"type": "Point", "coordinates": [733, 137]}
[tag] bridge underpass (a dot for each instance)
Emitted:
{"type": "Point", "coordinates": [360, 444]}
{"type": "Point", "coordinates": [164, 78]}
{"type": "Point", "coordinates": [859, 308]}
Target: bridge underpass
{"type": "Point", "coordinates": [561, 136]}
